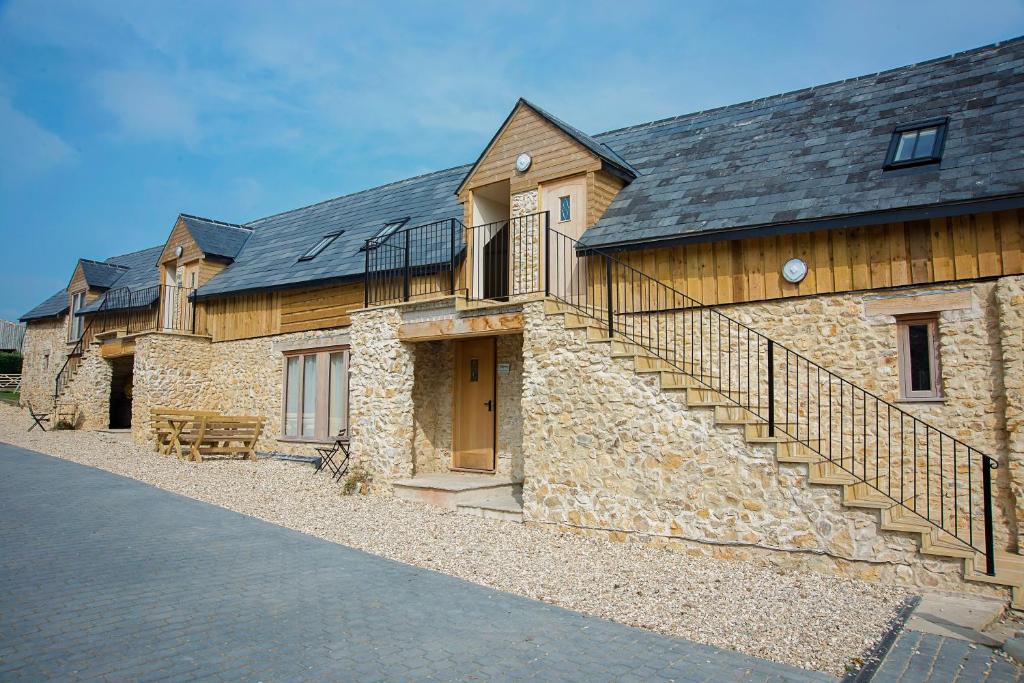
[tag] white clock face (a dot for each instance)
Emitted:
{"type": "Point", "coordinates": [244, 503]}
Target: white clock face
{"type": "Point", "coordinates": [523, 162]}
{"type": "Point", "coordinates": [794, 270]}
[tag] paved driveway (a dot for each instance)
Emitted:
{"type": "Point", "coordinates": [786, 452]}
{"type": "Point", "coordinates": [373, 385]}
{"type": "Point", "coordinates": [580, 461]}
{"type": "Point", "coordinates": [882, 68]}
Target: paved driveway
{"type": "Point", "coordinates": [103, 577]}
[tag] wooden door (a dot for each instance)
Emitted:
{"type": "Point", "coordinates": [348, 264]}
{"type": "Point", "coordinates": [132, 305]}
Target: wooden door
{"type": "Point", "coordinates": [475, 406]}
{"type": "Point", "coordinates": [566, 204]}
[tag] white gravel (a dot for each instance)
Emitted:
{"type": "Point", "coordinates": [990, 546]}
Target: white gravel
{"type": "Point", "coordinates": [808, 620]}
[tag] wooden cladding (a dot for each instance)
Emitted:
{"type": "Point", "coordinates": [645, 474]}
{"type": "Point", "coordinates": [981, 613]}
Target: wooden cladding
{"type": "Point", "coordinates": [890, 255]}
{"type": "Point", "coordinates": [181, 237]}
{"type": "Point", "coordinates": [601, 190]}
{"type": "Point", "coordinates": [267, 313]}
{"type": "Point", "coordinates": [314, 309]}
{"type": "Point", "coordinates": [555, 154]}
{"type": "Point", "coordinates": [240, 317]}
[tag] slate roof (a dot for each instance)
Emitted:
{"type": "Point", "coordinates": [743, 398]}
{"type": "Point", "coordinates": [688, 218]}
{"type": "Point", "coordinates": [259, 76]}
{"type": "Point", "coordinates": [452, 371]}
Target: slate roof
{"type": "Point", "coordinates": [216, 238]}
{"type": "Point", "coordinates": [603, 151]}
{"type": "Point", "coordinates": [816, 154]}
{"type": "Point", "coordinates": [100, 274]}
{"type": "Point", "coordinates": [139, 274]}
{"type": "Point", "coordinates": [55, 305]}
{"type": "Point", "coordinates": [269, 259]}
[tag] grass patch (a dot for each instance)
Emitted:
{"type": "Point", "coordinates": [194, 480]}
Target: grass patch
{"type": "Point", "coordinates": [9, 396]}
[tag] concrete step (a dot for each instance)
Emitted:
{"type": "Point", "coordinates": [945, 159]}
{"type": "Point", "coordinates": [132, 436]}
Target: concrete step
{"type": "Point", "coordinates": [503, 505]}
{"type": "Point", "coordinates": [451, 489]}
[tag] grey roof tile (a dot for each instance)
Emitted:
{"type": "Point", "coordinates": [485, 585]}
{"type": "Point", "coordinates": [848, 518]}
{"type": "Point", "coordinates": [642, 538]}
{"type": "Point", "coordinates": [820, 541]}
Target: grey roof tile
{"type": "Point", "coordinates": [217, 238]}
{"type": "Point", "coordinates": [818, 153]}
{"type": "Point", "coordinates": [55, 305]}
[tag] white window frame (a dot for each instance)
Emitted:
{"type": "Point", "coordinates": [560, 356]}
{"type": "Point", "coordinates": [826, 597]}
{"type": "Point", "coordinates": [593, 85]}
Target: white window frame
{"type": "Point", "coordinates": [903, 325]}
{"type": "Point", "coordinates": [76, 326]}
{"type": "Point", "coordinates": [322, 413]}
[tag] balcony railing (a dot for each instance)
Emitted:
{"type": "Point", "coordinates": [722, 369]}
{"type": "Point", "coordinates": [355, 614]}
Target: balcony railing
{"type": "Point", "coordinates": [166, 308]}
{"type": "Point", "coordinates": [493, 261]}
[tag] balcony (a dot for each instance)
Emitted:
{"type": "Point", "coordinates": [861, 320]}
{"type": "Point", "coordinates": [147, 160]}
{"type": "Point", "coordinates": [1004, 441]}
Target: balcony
{"type": "Point", "coordinates": [490, 262]}
{"type": "Point", "coordinates": [159, 308]}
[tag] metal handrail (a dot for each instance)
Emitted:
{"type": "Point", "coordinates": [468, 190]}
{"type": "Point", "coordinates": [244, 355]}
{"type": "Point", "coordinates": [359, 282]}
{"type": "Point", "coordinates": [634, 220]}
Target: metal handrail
{"type": "Point", "coordinates": [838, 420]}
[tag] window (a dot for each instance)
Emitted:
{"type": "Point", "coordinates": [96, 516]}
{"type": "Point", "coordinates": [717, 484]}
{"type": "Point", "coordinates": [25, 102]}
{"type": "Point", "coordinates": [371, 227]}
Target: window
{"type": "Point", "coordinates": [390, 228]}
{"type": "Point", "coordinates": [75, 329]}
{"type": "Point", "coordinates": [564, 209]}
{"type": "Point", "coordinates": [916, 143]}
{"type": "Point", "coordinates": [315, 395]}
{"type": "Point", "coordinates": [320, 246]}
{"type": "Point", "coordinates": [918, 351]}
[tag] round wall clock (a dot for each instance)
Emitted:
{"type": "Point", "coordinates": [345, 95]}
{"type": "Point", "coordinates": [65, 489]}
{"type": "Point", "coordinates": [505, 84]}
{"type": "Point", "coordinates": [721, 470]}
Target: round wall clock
{"type": "Point", "coordinates": [794, 270]}
{"type": "Point", "coordinates": [523, 162]}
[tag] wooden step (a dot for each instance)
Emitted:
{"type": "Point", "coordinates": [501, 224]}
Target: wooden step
{"type": "Point", "coordinates": [758, 433]}
{"type": "Point", "coordinates": [827, 472]}
{"type": "Point", "coordinates": [898, 518]}
{"type": "Point", "coordinates": [793, 452]}
{"type": "Point", "coordinates": [676, 381]}
{"type": "Point", "coordinates": [1009, 571]}
{"type": "Point", "coordinates": [574, 321]}
{"type": "Point", "coordinates": [711, 397]}
{"type": "Point", "coordinates": [553, 307]}
{"type": "Point", "coordinates": [863, 495]}
{"type": "Point", "coordinates": [931, 546]}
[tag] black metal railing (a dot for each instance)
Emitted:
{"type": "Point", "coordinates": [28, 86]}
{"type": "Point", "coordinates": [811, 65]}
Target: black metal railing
{"type": "Point", "coordinates": [505, 258]}
{"type": "Point", "coordinates": [893, 456]}
{"type": "Point", "coordinates": [413, 263]}
{"type": "Point", "coordinates": [918, 468]}
{"type": "Point", "coordinates": [168, 308]}
{"type": "Point", "coordinates": [492, 261]}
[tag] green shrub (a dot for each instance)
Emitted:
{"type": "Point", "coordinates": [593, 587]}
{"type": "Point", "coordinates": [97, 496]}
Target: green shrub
{"type": "Point", "coordinates": [63, 424]}
{"type": "Point", "coordinates": [10, 363]}
{"type": "Point", "coordinates": [358, 481]}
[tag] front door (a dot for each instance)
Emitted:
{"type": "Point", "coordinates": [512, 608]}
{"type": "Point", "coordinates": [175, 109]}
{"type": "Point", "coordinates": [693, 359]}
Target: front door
{"type": "Point", "coordinates": [566, 202]}
{"type": "Point", "coordinates": [475, 407]}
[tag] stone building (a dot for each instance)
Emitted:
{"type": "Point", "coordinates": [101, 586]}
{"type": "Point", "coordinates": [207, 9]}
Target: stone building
{"type": "Point", "coordinates": [788, 330]}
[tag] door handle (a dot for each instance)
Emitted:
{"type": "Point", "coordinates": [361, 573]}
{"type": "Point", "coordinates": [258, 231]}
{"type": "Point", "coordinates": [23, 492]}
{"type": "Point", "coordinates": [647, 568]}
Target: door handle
{"type": "Point", "coordinates": [490, 405]}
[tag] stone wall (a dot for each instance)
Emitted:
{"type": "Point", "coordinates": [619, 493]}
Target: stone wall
{"type": "Point", "coordinates": [44, 350]}
{"type": "Point", "coordinates": [836, 332]}
{"type": "Point", "coordinates": [171, 371]}
{"type": "Point", "coordinates": [243, 377]}
{"type": "Point", "coordinates": [610, 453]}
{"type": "Point", "coordinates": [510, 410]}
{"type": "Point", "coordinates": [1009, 296]}
{"type": "Point", "coordinates": [89, 389]}
{"type": "Point", "coordinates": [432, 406]}
{"type": "Point", "coordinates": [381, 391]}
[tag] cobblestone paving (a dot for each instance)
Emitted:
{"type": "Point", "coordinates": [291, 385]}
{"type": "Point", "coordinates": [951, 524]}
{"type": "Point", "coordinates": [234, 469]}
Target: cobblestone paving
{"type": "Point", "coordinates": [925, 658]}
{"type": "Point", "coordinates": [106, 578]}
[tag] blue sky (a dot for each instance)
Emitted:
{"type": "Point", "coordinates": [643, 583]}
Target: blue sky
{"type": "Point", "coordinates": [115, 116]}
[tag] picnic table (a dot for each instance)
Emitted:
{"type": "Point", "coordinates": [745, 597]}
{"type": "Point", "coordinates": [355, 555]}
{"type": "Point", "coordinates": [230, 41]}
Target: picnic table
{"type": "Point", "coordinates": [198, 433]}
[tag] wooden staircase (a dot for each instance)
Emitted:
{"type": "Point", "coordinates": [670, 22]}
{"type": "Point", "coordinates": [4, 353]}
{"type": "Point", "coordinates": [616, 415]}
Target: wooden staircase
{"type": "Point", "coordinates": [857, 491]}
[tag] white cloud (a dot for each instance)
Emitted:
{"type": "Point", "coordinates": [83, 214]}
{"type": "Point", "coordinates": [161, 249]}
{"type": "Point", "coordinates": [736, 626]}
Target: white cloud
{"type": "Point", "coordinates": [27, 149]}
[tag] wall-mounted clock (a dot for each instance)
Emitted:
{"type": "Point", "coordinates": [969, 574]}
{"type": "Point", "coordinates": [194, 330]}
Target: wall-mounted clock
{"type": "Point", "coordinates": [523, 162]}
{"type": "Point", "coordinates": [794, 270]}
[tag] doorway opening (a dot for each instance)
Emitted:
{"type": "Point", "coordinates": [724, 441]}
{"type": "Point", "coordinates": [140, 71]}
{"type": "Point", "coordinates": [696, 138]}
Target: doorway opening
{"type": "Point", "coordinates": [490, 241]}
{"type": "Point", "coordinates": [121, 382]}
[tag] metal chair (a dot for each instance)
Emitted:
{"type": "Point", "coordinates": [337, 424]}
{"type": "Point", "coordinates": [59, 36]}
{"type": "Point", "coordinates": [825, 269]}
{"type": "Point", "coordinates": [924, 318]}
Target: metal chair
{"type": "Point", "coordinates": [328, 453]}
{"type": "Point", "coordinates": [39, 418]}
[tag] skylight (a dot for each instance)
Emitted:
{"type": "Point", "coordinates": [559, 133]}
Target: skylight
{"type": "Point", "coordinates": [389, 229]}
{"type": "Point", "coordinates": [320, 246]}
{"type": "Point", "coordinates": [916, 143]}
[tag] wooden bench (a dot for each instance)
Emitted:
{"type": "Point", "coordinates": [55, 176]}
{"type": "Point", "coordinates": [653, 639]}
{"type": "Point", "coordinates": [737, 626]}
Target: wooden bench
{"type": "Point", "coordinates": [193, 434]}
{"type": "Point", "coordinates": [223, 435]}
{"type": "Point", "coordinates": [167, 423]}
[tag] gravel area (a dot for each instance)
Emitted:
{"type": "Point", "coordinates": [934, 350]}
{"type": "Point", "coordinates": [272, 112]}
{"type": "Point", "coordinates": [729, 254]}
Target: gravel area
{"type": "Point", "coordinates": [809, 620]}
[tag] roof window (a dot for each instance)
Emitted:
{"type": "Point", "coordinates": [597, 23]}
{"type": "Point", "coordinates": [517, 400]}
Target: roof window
{"type": "Point", "coordinates": [918, 143]}
{"type": "Point", "coordinates": [390, 228]}
{"type": "Point", "coordinates": [320, 246]}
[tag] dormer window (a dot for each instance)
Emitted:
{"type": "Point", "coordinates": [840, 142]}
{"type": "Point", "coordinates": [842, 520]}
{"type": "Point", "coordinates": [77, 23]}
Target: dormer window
{"type": "Point", "coordinates": [389, 229]}
{"type": "Point", "coordinates": [917, 143]}
{"type": "Point", "coordinates": [320, 246]}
